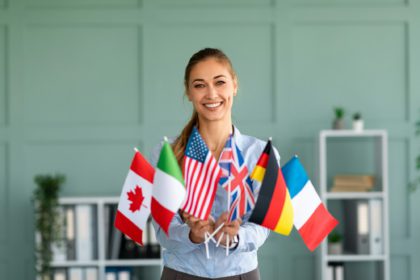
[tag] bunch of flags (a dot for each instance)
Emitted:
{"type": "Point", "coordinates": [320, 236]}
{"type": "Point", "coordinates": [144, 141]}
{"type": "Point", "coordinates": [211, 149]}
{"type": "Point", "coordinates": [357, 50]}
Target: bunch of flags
{"type": "Point", "coordinates": [286, 196]}
{"type": "Point", "coordinates": [148, 191]}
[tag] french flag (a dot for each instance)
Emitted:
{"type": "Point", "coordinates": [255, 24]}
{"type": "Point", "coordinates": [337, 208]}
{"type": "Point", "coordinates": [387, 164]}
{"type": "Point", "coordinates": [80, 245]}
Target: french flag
{"type": "Point", "coordinates": [311, 218]}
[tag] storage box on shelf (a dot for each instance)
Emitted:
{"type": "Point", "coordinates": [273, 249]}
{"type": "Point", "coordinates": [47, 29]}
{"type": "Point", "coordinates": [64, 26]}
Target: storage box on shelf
{"type": "Point", "coordinates": [92, 248]}
{"type": "Point", "coordinates": [353, 180]}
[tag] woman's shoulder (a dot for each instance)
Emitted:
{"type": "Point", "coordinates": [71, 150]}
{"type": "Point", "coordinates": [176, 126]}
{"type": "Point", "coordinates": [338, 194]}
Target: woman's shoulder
{"type": "Point", "coordinates": [246, 142]}
{"type": "Point", "coordinates": [252, 145]}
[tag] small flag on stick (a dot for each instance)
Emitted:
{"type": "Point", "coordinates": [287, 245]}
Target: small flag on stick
{"type": "Point", "coordinates": [273, 208]}
{"type": "Point", "coordinates": [168, 188]}
{"type": "Point", "coordinates": [311, 218]}
{"type": "Point", "coordinates": [134, 204]}
{"type": "Point", "coordinates": [202, 173]}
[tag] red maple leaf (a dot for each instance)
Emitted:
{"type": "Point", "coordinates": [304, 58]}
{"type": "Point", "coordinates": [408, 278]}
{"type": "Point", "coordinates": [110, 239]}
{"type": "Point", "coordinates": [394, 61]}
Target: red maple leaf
{"type": "Point", "coordinates": [136, 199]}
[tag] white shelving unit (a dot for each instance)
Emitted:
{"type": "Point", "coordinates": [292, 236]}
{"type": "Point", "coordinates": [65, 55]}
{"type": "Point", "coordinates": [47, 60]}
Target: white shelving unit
{"type": "Point", "coordinates": [101, 262]}
{"type": "Point", "coordinates": [380, 192]}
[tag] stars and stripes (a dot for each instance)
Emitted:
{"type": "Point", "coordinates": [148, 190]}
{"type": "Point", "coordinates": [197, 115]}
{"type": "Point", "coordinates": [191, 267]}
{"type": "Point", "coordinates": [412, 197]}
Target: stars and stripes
{"type": "Point", "coordinates": [202, 174]}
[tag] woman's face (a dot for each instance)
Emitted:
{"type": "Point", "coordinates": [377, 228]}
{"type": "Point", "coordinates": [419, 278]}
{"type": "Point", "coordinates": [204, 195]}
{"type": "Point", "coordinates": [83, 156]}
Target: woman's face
{"type": "Point", "coordinates": [211, 89]}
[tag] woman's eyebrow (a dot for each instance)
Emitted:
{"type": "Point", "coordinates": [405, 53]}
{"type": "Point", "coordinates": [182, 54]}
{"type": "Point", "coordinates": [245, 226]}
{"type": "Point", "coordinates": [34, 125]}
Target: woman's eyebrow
{"type": "Point", "coordinates": [219, 76]}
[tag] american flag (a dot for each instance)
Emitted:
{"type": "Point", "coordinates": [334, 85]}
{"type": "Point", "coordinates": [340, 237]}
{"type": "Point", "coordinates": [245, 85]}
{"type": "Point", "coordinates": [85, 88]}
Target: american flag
{"type": "Point", "coordinates": [241, 191]}
{"type": "Point", "coordinates": [202, 174]}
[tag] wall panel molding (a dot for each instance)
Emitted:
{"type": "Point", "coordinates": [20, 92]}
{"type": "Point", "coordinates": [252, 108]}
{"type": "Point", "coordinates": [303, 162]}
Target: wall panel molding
{"type": "Point", "coordinates": [255, 86]}
{"type": "Point", "coordinates": [400, 267]}
{"type": "Point", "coordinates": [86, 4]}
{"type": "Point", "coordinates": [215, 3]}
{"type": "Point", "coordinates": [347, 57]}
{"type": "Point", "coordinates": [4, 183]}
{"type": "Point", "coordinates": [3, 75]}
{"type": "Point", "coordinates": [83, 67]}
{"type": "Point", "coordinates": [89, 166]}
{"type": "Point", "coordinates": [349, 3]}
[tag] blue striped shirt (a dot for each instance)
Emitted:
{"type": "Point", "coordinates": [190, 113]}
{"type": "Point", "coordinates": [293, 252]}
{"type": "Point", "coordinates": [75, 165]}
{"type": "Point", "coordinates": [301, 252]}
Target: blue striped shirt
{"type": "Point", "coordinates": [181, 254]}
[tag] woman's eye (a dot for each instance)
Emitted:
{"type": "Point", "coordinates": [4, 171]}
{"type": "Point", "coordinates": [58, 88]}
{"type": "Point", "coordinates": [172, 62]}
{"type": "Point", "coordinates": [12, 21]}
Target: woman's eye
{"type": "Point", "coordinates": [198, 86]}
{"type": "Point", "coordinates": [219, 83]}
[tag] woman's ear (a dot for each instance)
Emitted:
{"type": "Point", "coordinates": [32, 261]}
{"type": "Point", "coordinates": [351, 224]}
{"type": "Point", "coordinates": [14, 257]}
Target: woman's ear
{"type": "Point", "coordinates": [188, 96]}
{"type": "Point", "coordinates": [235, 86]}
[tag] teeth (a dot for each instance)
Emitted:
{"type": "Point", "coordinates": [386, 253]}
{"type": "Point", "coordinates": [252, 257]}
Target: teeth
{"type": "Point", "coordinates": [213, 105]}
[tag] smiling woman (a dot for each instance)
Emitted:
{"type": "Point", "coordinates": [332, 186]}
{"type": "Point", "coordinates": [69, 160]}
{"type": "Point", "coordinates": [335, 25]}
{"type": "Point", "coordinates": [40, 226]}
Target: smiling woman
{"type": "Point", "coordinates": [211, 85]}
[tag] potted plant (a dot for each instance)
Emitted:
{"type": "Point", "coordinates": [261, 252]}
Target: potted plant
{"type": "Point", "coordinates": [358, 123]}
{"type": "Point", "coordinates": [339, 118]}
{"type": "Point", "coordinates": [335, 246]}
{"type": "Point", "coordinates": [47, 223]}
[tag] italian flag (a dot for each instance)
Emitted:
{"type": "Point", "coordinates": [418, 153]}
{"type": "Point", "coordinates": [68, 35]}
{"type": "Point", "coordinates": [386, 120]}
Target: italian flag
{"type": "Point", "coordinates": [168, 188]}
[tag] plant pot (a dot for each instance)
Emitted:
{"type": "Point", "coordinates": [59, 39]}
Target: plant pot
{"type": "Point", "coordinates": [338, 123]}
{"type": "Point", "coordinates": [335, 248]}
{"type": "Point", "coordinates": [358, 125]}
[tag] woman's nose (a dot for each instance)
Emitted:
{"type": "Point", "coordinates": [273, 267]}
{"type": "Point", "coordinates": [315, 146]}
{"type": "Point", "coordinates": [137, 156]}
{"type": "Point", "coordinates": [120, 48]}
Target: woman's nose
{"type": "Point", "coordinates": [211, 92]}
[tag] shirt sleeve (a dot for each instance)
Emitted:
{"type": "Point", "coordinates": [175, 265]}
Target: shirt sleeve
{"type": "Point", "coordinates": [178, 239]}
{"type": "Point", "coordinates": [251, 237]}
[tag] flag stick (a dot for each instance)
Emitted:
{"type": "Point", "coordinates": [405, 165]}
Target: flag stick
{"type": "Point", "coordinates": [215, 231]}
{"type": "Point", "coordinates": [207, 246]}
{"type": "Point", "coordinates": [135, 149]}
{"type": "Point", "coordinates": [227, 245]}
{"type": "Point", "coordinates": [208, 237]}
{"type": "Point", "coordinates": [220, 239]}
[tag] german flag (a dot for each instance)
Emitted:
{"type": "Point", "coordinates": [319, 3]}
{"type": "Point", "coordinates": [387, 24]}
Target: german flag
{"type": "Point", "coordinates": [273, 208]}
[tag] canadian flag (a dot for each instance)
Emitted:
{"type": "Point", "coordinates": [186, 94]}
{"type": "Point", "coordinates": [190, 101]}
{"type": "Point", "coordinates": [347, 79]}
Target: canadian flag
{"type": "Point", "coordinates": [134, 205]}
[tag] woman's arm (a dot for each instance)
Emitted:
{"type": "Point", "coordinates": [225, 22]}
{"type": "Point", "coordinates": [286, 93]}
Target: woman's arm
{"type": "Point", "coordinates": [178, 239]}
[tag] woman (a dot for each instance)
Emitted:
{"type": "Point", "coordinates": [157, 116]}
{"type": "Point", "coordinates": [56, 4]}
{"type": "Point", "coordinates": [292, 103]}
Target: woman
{"type": "Point", "coordinates": [211, 85]}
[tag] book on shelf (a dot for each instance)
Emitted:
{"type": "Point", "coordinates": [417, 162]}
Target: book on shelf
{"type": "Point", "coordinates": [59, 274]}
{"type": "Point", "coordinates": [120, 246]}
{"type": "Point", "coordinates": [364, 227]}
{"type": "Point", "coordinates": [356, 226]}
{"type": "Point", "coordinates": [376, 227]}
{"type": "Point", "coordinates": [118, 273]}
{"type": "Point", "coordinates": [70, 232]}
{"type": "Point", "coordinates": [85, 232]}
{"type": "Point", "coordinates": [335, 271]}
{"type": "Point", "coordinates": [353, 183]}
{"type": "Point", "coordinates": [91, 273]}
{"type": "Point", "coordinates": [153, 244]}
{"type": "Point", "coordinates": [75, 273]}
{"type": "Point", "coordinates": [115, 236]}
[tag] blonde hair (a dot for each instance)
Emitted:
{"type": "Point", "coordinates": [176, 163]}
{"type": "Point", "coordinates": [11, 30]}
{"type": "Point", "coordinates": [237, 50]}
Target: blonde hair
{"type": "Point", "coordinates": [180, 143]}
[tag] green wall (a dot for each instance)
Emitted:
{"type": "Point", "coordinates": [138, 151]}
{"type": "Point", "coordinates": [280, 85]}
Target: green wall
{"type": "Point", "coordinates": [82, 82]}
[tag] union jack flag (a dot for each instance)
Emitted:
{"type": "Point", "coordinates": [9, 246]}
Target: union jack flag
{"type": "Point", "coordinates": [201, 173]}
{"type": "Point", "coordinates": [234, 170]}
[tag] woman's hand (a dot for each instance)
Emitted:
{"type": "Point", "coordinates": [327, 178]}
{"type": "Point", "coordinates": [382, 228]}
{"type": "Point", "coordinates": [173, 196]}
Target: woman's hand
{"type": "Point", "coordinates": [229, 228]}
{"type": "Point", "coordinates": [198, 227]}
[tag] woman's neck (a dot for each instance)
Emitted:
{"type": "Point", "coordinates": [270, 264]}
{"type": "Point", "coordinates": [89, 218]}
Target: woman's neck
{"type": "Point", "coordinates": [215, 134]}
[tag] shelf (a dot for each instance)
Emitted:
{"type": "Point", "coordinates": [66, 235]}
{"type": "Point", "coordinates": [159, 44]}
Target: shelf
{"type": "Point", "coordinates": [355, 258]}
{"type": "Point", "coordinates": [359, 152]}
{"type": "Point", "coordinates": [352, 133]}
{"type": "Point", "coordinates": [354, 195]}
{"type": "Point", "coordinates": [141, 262]}
{"type": "Point", "coordinates": [75, 263]}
